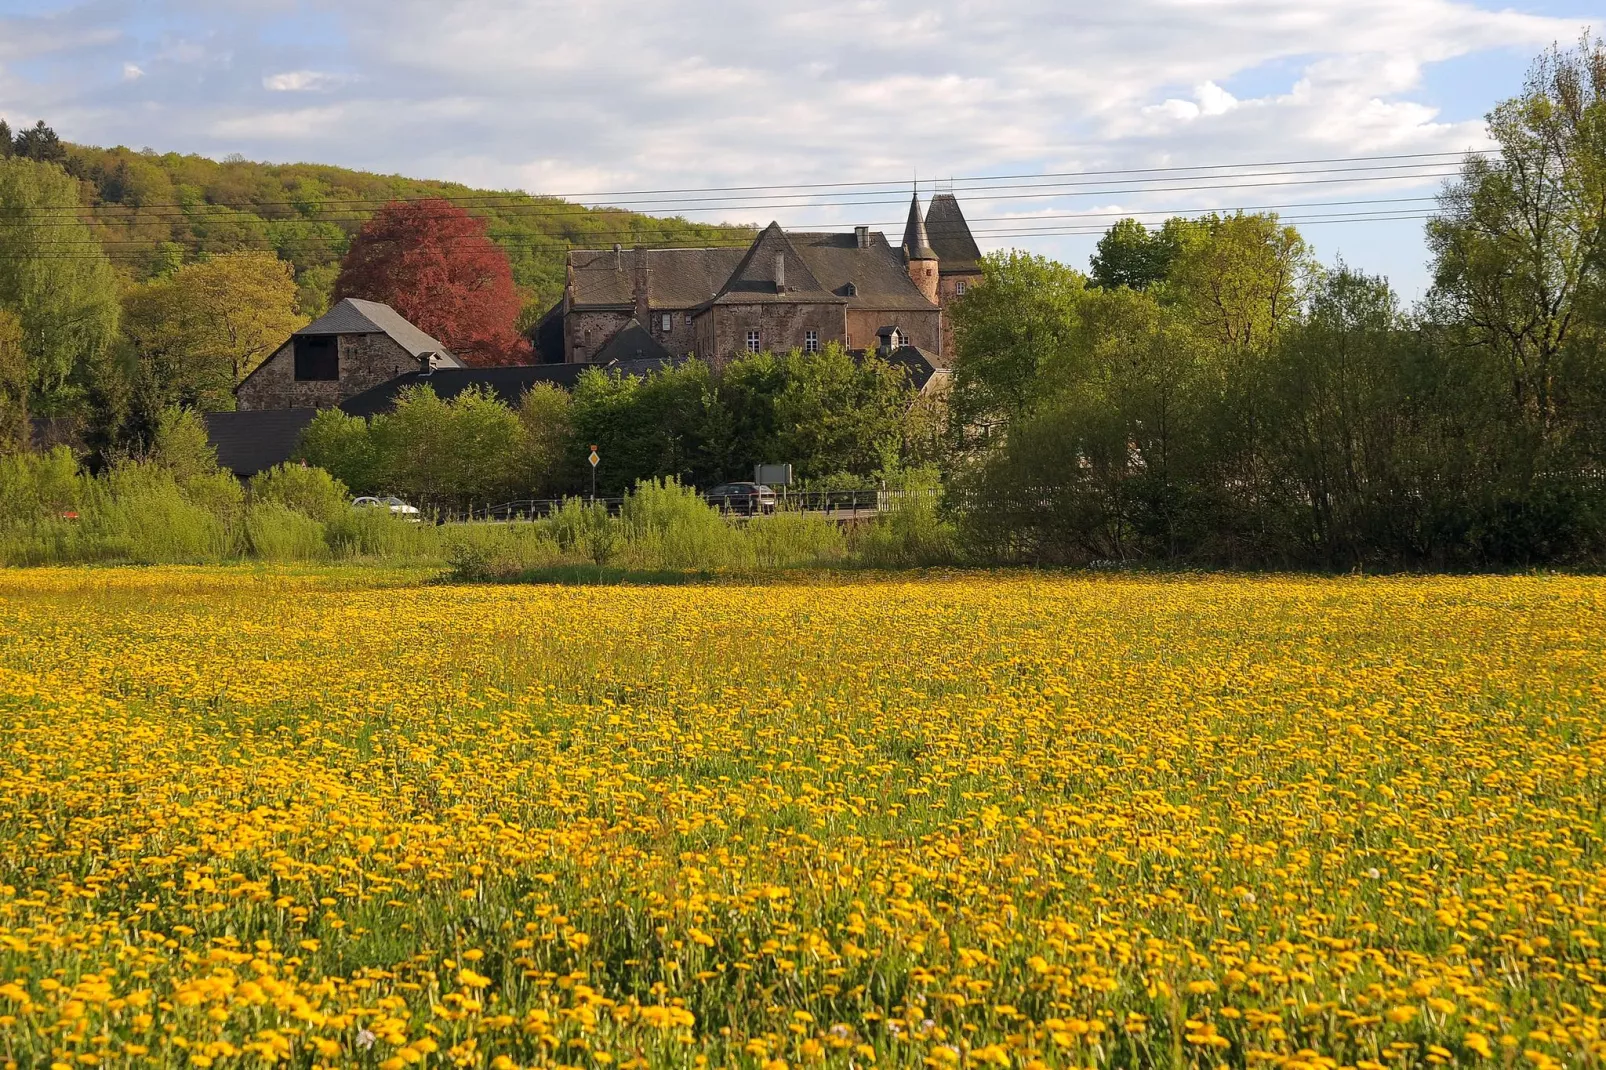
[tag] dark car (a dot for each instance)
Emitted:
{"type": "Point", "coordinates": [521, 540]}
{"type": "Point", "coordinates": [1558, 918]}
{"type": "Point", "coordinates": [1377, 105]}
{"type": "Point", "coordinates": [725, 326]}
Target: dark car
{"type": "Point", "coordinates": [749, 499]}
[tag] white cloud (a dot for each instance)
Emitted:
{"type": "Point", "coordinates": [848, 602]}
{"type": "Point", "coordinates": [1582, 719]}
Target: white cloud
{"type": "Point", "coordinates": [646, 94]}
{"type": "Point", "coordinates": [303, 81]}
{"type": "Point", "coordinates": [132, 72]}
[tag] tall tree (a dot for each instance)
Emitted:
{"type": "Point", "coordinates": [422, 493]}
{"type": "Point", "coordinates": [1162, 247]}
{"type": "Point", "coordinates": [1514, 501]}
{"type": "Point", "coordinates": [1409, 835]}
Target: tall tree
{"type": "Point", "coordinates": [1130, 255]}
{"type": "Point", "coordinates": [1021, 318]}
{"type": "Point", "coordinates": [432, 262]}
{"type": "Point", "coordinates": [6, 147]}
{"type": "Point", "coordinates": [55, 279]}
{"type": "Point", "coordinates": [1518, 240]}
{"type": "Point", "coordinates": [13, 385]}
{"type": "Point", "coordinates": [1240, 277]}
{"type": "Point", "coordinates": [40, 143]}
{"type": "Point", "coordinates": [201, 330]}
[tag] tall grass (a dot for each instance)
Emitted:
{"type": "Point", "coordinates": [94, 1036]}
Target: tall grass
{"type": "Point", "coordinates": [148, 512]}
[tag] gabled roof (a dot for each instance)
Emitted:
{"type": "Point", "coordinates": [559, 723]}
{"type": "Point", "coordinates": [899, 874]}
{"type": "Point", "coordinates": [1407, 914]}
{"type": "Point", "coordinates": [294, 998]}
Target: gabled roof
{"type": "Point", "coordinates": [355, 316]}
{"type": "Point", "coordinates": [509, 384]}
{"type": "Point", "coordinates": [630, 342]}
{"type": "Point", "coordinates": [950, 234]}
{"type": "Point", "coordinates": [876, 270]}
{"type": "Point", "coordinates": [754, 278]}
{"type": "Point", "coordinates": [256, 440]}
{"type": "Point", "coordinates": [916, 245]}
{"type": "Point", "coordinates": [676, 278]}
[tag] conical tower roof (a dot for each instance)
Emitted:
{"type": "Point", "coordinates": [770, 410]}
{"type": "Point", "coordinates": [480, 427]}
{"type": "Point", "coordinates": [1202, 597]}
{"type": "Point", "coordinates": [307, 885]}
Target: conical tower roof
{"type": "Point", "coordinates": [916, 245]}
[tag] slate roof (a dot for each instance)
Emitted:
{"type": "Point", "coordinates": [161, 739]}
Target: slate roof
{"type": "Point", "coordinates": [950, 234]}
{"type": "Point", "coordinates": [508, 384]}
{"type": "Point", "coordinates": [916, 245]}
{"type": "Point", "coordinates": [923, 368]}
{"type": "Point", "coordinates": [754, 278]}
{"type": "Point", "coordinates": [676, 278]}
{"type": "Point", "coordinates": [877, 271]}
{"type": "Point", "coordinates": [254, 441]}
{"type": "Point", "coordinates": [687, 278]}
{"type": "Point", "coordinates": [354, 316]}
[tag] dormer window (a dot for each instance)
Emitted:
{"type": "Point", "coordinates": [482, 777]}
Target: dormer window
{"type": "Point", "coordinates": [851, 290]}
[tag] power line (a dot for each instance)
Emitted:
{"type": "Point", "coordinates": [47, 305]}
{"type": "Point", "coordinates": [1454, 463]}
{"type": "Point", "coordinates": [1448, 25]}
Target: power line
{"type": "Point", "coordinates": [537, 241]}
{"type": "Point", "coordinates": [552, 202]}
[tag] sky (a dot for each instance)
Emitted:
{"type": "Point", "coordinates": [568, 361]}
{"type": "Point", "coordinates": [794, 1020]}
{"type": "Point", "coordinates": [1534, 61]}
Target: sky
{"type": "Point", "coordinates": [1051, 118]}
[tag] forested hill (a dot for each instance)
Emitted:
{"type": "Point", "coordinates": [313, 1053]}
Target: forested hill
{"type": "Point", "coordinates": [153, 211]}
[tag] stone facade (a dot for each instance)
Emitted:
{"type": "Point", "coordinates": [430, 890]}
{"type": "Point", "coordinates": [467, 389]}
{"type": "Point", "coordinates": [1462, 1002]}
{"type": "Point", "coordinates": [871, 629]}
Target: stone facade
{"type": "Point", "coordinates": [366, 360]}
{"type": "Point", "coordinates": [951, 286]}
{"type": "Point", "coordinates": [781, 326]}
{"type": "Point", "coordinates": [923, 330]}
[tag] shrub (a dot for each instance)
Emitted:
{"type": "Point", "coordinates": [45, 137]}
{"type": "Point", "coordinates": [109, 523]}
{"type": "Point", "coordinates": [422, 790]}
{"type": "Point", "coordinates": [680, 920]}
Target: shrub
{"type": "Point", "coordinates": [667, 525]}
{"type": "Point", "coordinates": [499, 551]}
{"type": "Point", "coordinates": [38, 486]}
{"type": "Point", "coordinates": [790, 540]}
{"type": "Point", "coordinates": [375, 533]}
{"type": "Point", "coordinates": [275, 532]}
{"type": "Point", "coordinates": [139, 513]}
{"type": "Point", "coordinates": [307, 490]}
{"type": "Point", "coordinates": [912, 532]}
{"type": "Point", "coordinates": [585, 530]}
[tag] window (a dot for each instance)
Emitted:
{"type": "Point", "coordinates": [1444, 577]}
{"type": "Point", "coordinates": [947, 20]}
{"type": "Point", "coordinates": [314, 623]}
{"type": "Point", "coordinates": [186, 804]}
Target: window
{"type": "Point", "coordinates": [317, 358]}
{"type": "Point", "coordinates": [962, 287]}
{"type": "Point", "coordinates": [668, 322]}
{"type": "Point", "coordinates": [752, 341]}
{"type": "Point", "coordinates": [688, 319]}
{"type": "Point", "coordinates": [811, 341]}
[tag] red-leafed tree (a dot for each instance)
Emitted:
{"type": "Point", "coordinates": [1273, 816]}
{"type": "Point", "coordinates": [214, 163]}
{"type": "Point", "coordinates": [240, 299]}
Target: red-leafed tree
{"type": "Point", "coordinates": [432, 262]}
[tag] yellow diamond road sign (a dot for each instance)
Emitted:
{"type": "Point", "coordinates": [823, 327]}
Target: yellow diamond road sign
{"type": "Point", "coordinates": [594, 457]}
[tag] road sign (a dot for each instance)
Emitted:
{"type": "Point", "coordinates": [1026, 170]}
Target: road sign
{"type": "Point", "coordinates": [595, 460]}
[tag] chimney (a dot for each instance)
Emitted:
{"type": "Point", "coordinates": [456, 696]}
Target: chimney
{"type": "Point", "coordinates": [618, 257]}
{"type": "Point", "coordinates": [862, 235]}
{"type": "Point", "coordinates": [780, 273]}
{"type": "Point", "coordinates": [641, 288]}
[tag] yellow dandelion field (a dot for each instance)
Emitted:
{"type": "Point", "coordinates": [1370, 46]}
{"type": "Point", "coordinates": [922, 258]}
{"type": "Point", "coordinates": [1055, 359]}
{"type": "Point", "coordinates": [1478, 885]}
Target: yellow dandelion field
{"type": "Point", "coordinates": [347, 819]}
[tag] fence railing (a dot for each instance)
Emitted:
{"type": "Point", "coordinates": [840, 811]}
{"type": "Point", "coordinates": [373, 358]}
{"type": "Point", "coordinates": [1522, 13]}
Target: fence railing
{"type": "Point", "coordinates": [842, 504]}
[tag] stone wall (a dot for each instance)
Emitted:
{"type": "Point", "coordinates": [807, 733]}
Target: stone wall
{"type": "Point", "coordinates": [781, 327]}
{"type": "Point", "coordinates": [585, 332]}
{"type": "Point", "coordinates": [923, 273]}
{"type": "Point", "coordinates": [923, 327]}
{"type": "Point", "coordinates": [949, 287]}
{"type": "Point", "coordinates": [366, 360]}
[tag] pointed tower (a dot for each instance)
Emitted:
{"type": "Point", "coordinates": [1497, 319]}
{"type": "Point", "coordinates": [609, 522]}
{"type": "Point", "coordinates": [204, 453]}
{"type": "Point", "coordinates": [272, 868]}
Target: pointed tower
{"type": "Point", "coordinates": [918, 254]}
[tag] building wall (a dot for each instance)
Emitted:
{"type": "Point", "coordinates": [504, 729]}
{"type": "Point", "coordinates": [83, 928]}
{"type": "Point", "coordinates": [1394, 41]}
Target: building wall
{"type": "Point", "coordinates": [366, 360]}
{"type": "Point", "coordinates": [923, 327]}
{"type": "Point", "coordinates": [923, 273]}
{"type": "Point", "coordinates": [781, 327]}
{"type": "Point", "coordinates": [949, 287]}
{"type": "Point", "coordinates": [681, 338]}
{"type": "Point", "coordinates": [586, 332]}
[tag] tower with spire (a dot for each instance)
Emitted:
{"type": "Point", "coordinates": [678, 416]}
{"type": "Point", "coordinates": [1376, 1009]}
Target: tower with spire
{"type": "Point", "coordinates": [919, 257]}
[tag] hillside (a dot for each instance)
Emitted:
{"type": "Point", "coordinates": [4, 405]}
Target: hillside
{"type": "Point", "coordinates": [152, 211]}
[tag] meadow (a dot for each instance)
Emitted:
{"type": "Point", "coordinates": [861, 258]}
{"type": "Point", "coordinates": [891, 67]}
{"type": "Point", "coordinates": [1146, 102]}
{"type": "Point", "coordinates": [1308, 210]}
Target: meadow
{"type": "Point", "coordinates": [344, 817]}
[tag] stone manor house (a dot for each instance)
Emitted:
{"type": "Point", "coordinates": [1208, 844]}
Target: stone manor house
{"type": "Point", "coordinates": [786, 290]}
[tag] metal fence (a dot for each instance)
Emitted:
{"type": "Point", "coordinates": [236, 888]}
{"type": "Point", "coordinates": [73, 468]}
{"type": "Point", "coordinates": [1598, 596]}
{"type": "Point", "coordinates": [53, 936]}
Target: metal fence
{"type": "Point", "coordinates": [838, 504]}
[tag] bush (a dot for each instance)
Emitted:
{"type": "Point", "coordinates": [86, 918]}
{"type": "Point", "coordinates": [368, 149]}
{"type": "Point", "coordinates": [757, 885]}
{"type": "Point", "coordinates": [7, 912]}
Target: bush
{"type": "Point", "coordinates": [275, 532]}
{"type": "Point", "coordinates": [913, 532]}
{"type": "Point", "coordinates": [38, 486]}
{"type": "Point", "coordinates": [585, 530]}
{"type": "Point", "coordinates": [138, 513]}
{"type": "Point", "coordinates": [307, 490]}
{"type": "Point", "coordinates": [667, 525]}
{"type": "Point", "coordinates": [499, 551]}
{"type": "Point", "coordinates": [791, 540]}
{"type": "Point", "coordinates": [375, 533]}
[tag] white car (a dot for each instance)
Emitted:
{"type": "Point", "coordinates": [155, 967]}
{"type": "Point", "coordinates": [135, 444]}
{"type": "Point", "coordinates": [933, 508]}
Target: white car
{"type": "Point", "coordinates": [397, 507]}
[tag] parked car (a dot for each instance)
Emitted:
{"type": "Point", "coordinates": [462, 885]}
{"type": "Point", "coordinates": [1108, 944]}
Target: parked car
{"type": "Point", "coordinates": [397, 507]}
{"type": "Point", "coordinates": [749, 499]}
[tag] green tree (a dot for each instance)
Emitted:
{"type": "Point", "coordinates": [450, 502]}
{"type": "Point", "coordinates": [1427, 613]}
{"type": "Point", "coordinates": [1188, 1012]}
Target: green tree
{"type": "Point", "coordinates": [1239, 277]}
{"type": "Point", "coordinates": [1021, 317]}
{"type": "Point", "coordinates": [14, 433]}
{"type": "Point", "coordinates": [200, 331]}
{"type": "Point", "coordinates": [1130, 255]}
{"type": "Point", "coordinates": [546, 435]}
{"type": "Point", "coordinates": [54, 280]}
{"type": "Point", "coordinates": [1517, 242]}
{"type": "Point", "coordinates": [839, 416]}
{"type": "Point", "coordinates": [181, 445]}
{"type": "Point", "coordinates": [343, 446]}
{"type": "Point", "coordinates": [40, 143]}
